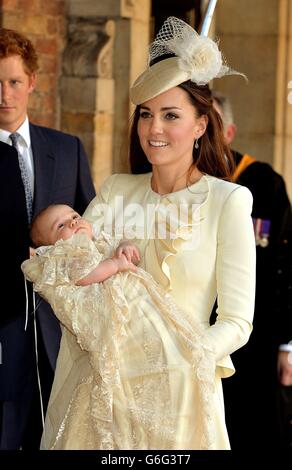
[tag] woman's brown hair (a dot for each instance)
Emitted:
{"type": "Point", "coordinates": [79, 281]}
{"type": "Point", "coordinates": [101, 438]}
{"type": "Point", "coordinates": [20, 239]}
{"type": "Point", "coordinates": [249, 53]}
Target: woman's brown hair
{"type": "Point", "coordinates": [213, 155]}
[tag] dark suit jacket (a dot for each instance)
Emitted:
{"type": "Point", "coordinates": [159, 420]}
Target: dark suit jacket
{"type": "Point", "coordinates": [14, 233]}
{"type": "Point", "coordinates": [62, 175]}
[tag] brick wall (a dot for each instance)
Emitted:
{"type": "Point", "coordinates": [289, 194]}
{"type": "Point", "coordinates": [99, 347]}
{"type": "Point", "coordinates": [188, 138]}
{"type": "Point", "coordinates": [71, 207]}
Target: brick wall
{"type": "Point", "coordinates": [44, 22]}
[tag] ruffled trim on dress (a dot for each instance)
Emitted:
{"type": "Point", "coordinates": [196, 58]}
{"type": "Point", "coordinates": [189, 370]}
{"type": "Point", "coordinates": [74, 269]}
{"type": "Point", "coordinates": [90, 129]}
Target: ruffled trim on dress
{"type": "Point", "coordinates": [184, 237]}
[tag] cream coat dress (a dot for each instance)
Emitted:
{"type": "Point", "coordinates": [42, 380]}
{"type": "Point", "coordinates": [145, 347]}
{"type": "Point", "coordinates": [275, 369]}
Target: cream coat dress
{"type": "Point", "coordinates": [207, 250]}
{"type": "Point", "coordinates": [196, 243]}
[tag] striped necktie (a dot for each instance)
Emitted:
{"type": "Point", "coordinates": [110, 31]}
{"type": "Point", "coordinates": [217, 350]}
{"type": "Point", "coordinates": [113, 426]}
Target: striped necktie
{"type": "Point", "coordinates": [24, 175]}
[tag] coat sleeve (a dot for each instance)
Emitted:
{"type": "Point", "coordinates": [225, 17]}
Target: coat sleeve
{"type": "Point", "coordinates": [99, 213]}
{"type": "Point", "coordinates": [235, 274]}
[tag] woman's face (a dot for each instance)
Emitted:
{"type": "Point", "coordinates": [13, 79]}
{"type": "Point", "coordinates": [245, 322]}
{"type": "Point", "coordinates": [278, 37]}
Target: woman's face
{"type": "Point", "coordinates": [168, 128]}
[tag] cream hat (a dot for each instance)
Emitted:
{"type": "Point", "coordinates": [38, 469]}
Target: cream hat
{"type": "Point", "coordinates": [196, 58]}
{"type": "Point", "coordinates": [156, 79]}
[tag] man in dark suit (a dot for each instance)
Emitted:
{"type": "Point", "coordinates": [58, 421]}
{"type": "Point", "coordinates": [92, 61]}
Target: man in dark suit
{"type": "Point", "coordinates": [56, 171]}
{"type": "Point", "coordinates": [263, 368]}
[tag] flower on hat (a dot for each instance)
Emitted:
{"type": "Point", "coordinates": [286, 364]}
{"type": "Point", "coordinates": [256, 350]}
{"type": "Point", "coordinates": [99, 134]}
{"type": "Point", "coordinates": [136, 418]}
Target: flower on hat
{"type": "Point", "coordinates": [203, 60]}
{"type": "Point", "coordinates": [178, 54]}
{"type": "Point", "coordinates": [199, 56]}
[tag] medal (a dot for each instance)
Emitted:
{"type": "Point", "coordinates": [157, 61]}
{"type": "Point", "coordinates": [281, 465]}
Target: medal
{"type": "Point", "coordinates": [261, 231]}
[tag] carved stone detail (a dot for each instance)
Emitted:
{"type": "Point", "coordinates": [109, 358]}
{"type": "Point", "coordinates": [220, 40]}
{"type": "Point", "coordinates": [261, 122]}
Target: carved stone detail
{"type": "Point", "coordinates": [127, 8]}
{"type": "Point", "coordinates": [89, 48]}
{"type": "Point", "coordinates": [105, 59]}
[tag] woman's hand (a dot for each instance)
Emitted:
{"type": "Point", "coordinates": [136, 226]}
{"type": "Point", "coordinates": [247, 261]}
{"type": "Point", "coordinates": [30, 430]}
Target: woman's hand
{"type": "Point", "coordinates": [130, 251]}
{"type": "Point", "coordinates": [123, 264]}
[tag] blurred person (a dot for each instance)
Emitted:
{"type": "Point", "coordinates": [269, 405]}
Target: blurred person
{"type": "Point", "coordinates": [257, 397]}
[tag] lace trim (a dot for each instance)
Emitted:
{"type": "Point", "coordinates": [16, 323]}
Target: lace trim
{"type": "Point", "coordinates": [144, 410]}
{"type": "Point", "coordinates": [100, 317]}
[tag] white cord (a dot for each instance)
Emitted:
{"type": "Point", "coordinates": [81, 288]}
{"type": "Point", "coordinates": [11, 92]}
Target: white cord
{"type": "Point", "coordinates": [37, 359]}
{"type": "Point", "coordinates": [26, 304]}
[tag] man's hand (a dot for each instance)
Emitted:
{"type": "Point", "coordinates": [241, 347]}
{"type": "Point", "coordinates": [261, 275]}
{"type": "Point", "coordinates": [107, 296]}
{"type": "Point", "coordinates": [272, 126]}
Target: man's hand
{"type": "Point", "coordinates": [130, 251]}
{"type": "Point", "coordinates": [285, 368]}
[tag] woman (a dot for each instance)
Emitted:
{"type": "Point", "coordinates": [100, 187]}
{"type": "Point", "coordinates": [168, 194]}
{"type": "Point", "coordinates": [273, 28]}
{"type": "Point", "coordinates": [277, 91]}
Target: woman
{"type": "Point", "coordinates": [193, 229]}
{"type": "Point", "coordinates": [192, 226]}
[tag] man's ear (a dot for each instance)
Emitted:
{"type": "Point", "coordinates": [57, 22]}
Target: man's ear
{"type": "Point", "coordinates": [32, 82]}
{"type": "Point", "coordinates": [230, 133]}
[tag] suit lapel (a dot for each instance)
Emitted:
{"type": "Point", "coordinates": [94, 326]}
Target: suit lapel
{"type": "Point", "coordinates": [44, 167]}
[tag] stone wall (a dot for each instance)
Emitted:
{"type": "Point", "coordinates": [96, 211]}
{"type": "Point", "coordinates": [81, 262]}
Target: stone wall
{"type": "Point", "coordinates": [44, 23]}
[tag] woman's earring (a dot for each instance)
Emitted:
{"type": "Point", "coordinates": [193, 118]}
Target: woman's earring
{"type": "Point", "coordinates": [196, 144]}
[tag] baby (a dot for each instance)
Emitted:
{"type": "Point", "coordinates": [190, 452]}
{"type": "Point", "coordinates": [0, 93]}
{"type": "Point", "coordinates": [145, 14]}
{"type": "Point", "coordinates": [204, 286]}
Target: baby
{"type": "Point", "coordinates": [130, 360]}
{"type": "Point", "coordinates": [61, 222]}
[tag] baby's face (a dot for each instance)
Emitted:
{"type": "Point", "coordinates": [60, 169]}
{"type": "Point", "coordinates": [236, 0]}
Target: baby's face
{"type": "Point", "coordinates": [61, 222]}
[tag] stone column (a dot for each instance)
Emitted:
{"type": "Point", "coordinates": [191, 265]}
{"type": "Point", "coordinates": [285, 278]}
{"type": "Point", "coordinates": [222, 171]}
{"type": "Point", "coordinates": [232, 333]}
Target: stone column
{"type": "Point", "coordinates": [87, 89]}
{"type": "Point", "coordinates": [256, 40]}
{"type": "Point", "coordinates": [248, 33]}
{"type": "Point", "coordinates": [106, 49]}
{"type": "Point", "coordinates": [283, 123]}
{"type": "Point", "coordinates": [130, 59]}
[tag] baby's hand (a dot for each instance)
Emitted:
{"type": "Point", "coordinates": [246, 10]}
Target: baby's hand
{"type": "Point", "coordinates": [130, 251]}
{"type": "Point", "coordinates": [31, 252]}
{"type": "Point", "coordinates": [123, 264]}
